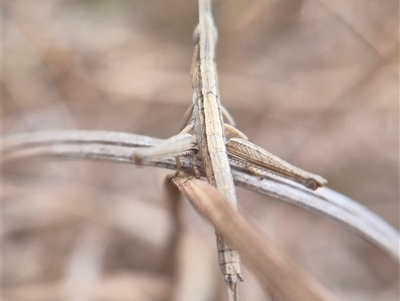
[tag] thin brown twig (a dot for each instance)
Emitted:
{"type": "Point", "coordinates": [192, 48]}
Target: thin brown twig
{"type": "Point", "coordinates": [278, 273]}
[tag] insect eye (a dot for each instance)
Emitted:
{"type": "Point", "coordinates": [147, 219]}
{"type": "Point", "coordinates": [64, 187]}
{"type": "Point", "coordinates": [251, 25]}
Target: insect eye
{"type": "Point", "coordinates": [312, 184]}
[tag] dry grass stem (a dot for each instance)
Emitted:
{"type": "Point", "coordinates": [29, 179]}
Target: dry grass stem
{"type": "Point", "coordinates": [280, 275]}
{"type": "Point", "coordinates": [324, 201]}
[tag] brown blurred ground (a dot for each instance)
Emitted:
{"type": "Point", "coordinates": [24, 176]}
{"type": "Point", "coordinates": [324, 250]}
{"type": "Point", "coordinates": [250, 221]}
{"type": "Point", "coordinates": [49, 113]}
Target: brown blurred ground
{"type": "Point", "coordinates": [315, 82]}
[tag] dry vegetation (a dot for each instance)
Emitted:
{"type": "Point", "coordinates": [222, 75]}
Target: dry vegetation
{"type": "Point", "coordinates": [313, 81]}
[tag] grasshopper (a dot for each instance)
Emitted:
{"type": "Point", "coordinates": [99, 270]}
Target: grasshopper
{"type": "Point", "coordinates": [204, 134]}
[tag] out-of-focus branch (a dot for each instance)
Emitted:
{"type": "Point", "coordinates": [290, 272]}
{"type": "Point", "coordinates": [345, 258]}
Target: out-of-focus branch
{"type": "Point", "coordinates": [277, 272]}
{"type": "Point", "coordinates": [117, 147]}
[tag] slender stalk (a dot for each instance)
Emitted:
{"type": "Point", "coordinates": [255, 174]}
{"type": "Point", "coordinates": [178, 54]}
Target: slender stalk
{"type": "Point", "coordinates": [111, 146]}
{"type": "Point", "coordinates": [279, 274]}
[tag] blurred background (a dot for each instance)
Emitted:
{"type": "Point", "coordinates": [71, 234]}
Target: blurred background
{"type": "Point", "coordinates": [315, 82]}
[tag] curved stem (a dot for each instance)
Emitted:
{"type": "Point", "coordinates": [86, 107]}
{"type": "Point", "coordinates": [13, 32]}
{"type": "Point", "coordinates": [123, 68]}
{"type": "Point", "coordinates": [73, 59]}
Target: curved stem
{"type": "Point", "coordinates": [117, 147]}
